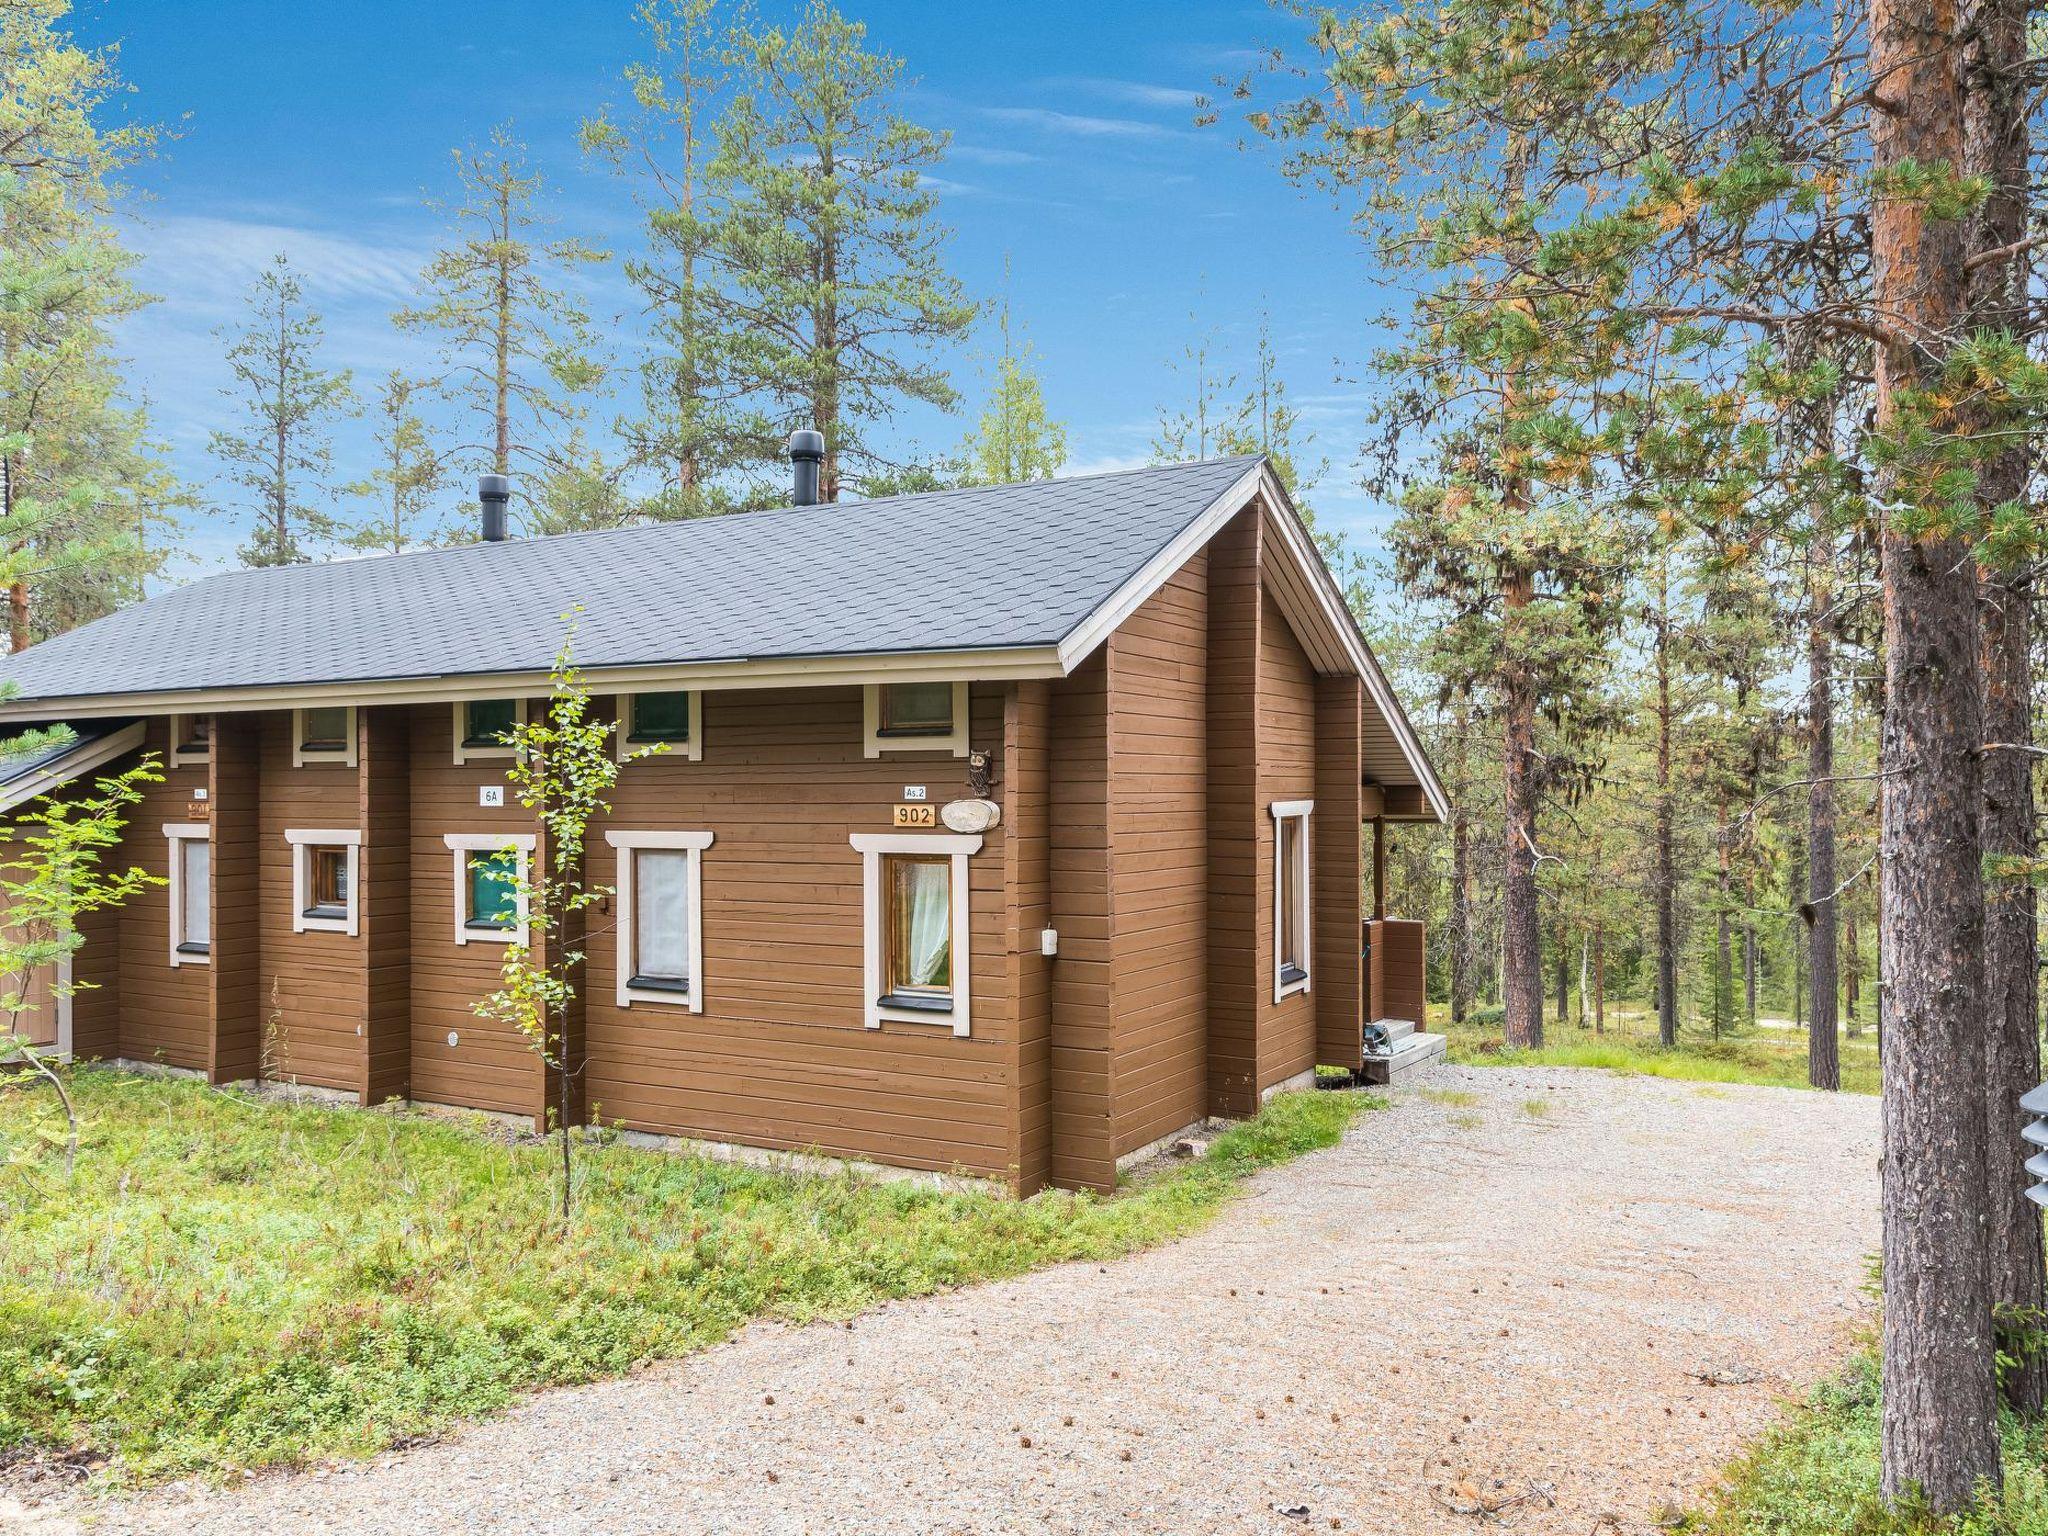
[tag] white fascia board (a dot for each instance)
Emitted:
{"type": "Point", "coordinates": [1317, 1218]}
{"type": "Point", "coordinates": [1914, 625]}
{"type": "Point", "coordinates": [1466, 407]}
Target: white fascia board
{"type": "Point", "coordinates": [80, 760]}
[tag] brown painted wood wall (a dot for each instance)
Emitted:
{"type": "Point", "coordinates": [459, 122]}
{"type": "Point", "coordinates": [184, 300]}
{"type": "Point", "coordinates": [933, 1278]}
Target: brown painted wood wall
{"type": "Point", "coordinates": [1025, 793]}
{"type": "Point", "coordinates": [235, 968]}
{"type": "Point", "coordinates": [1083, 1155]}
{"type": "Point", "coordinates": [1287, 771]}
{"type": "Point", "coordinates": [165, 1011]}
{"type": "Point", "coordinates": [384, 795]}
{"type": "Point", "coordinates": [1235, 617]}
{"type": "Point", "coordinates": [310, 987]}
{"type": "Point", "coordinates": [1159, 854]}
{"type": "Point", "coordinates": [1397, 971]}
{"type": "Point", "coordinates": [781, 1056]}
{"type": "Point", "coordinates": [1337, 840]}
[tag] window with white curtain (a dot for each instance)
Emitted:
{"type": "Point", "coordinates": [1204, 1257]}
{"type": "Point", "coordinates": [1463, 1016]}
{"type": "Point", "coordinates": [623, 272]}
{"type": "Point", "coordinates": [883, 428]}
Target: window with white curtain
{"type": "Point", "coordinates": [660, 928]}
{"type": "Point", "coordinates": [191, 891]}
{"type": "Point", "coordinates": [915, 929]}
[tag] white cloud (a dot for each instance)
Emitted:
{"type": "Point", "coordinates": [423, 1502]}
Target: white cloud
{"type": "Point", "coordinates": [1078, 124]}
{"type": "Point", "coordinates": [209, 263]}
{"type": "Point", "coordinates": [982, 154]}
{"type": "Point", "coordinates": [1137, 92]}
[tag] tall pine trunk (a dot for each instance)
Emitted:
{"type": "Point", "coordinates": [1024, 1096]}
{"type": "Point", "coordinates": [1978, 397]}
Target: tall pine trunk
{"type": "Point", "coordinates": [1667, 863]}
{"type": "Point", "coordinates": [1462, 949]}
{"type": "Point", "coordinates": [1724, 966]}
{"type": "Point", "coordinates": [1996, 144]}
{"type": "Point", "coordinates": [1940, 1435]}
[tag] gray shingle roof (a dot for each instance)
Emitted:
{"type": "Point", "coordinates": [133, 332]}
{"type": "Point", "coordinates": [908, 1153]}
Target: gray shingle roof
{"type": "Point", "coordinates": [1002, 567]}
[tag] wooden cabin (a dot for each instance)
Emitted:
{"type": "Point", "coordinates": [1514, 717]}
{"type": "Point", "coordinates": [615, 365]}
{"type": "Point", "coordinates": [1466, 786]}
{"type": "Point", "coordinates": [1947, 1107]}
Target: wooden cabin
{"type": "Point", "coordinates": [1003, 832]}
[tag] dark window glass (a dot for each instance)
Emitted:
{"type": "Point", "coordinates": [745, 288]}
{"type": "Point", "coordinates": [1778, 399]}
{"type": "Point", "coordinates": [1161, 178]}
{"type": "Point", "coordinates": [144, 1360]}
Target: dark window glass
{"type": "Point", "coordinates": [661, 717]}
{"type": "Point", "coordinates": [194, 732]}
{"type": "Point", "coordinates": [325, 729]}
{"type": "Point", "coordinates": [489, 722]}
{"type": "Point", "coordinates": [917, 709]}
{"type": "Point", "coordinates": [329, 882]}
{"type": "Point", "coordinates": [490, 902]}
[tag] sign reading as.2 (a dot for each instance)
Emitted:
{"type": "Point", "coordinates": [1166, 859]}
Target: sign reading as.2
{"type": "Point", "coordinates": [917, 816]}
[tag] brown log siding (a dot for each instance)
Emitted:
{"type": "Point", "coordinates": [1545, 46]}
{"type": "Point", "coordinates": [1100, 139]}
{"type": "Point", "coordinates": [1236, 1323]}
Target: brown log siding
{"type": "Point", "coordinates": [1287, 771]}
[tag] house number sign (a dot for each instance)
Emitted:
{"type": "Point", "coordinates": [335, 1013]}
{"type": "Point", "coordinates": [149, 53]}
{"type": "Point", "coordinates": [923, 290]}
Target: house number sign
{"type": "Point", "coordinates": [916, 816]}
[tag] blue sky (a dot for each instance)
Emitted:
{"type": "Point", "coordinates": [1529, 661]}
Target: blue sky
{"type": "Point", "coordinates": [318, 130]}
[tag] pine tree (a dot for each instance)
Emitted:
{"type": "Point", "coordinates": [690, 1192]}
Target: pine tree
{"type": "Point", "coordinates": [688, 432]}
{"type": "Point", "coordinates": [518, 353]}
{"type": "Point", "coordinates": [282, 453]}
{"type": "Point", "coordinates": [819, 249]}
{"type": "Point", "coordinates": [408, 476]}
{"type": "Point", "coordinates": [1017, 439]}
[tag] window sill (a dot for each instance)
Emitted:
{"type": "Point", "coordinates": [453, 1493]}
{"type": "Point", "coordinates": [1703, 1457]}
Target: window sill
{"type": "Point", "coordinates": [1292, 979]}
{"type": "Point", "coordinates": [637, 739]}
{"type": "Point", "coordinates": [665, 994]}
{"type": "Point", "coordinates": [894, 1008]}
{"type": "Point", "coordinates": [489, 933]}
{"type": "Point", "coordinates": [192, 954]}
{"type": "Point", "coordinates": [323, 920]}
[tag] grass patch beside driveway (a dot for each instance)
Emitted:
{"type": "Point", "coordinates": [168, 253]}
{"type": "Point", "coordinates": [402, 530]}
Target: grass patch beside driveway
{"type": "Point", "coordinates": [233, 1283]}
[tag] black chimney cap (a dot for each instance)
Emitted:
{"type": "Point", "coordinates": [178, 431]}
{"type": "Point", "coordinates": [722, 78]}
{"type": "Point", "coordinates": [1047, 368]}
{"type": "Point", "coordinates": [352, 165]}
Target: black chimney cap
{"type": "Point", "coordinates": [807, 461]}
{"type": "Point", "coordinates": [807, 444]}
{"type": "Point", "coordinates": [494, 491]}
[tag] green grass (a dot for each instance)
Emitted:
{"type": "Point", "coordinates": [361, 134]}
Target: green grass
{"type": "Point", "coordinates": [233, 1283]}
{"type": "Point", "coordinates": [1817, 1476]}
{"type": "Point", "coordinates": [1460, 1098]}
{"type": "Point", "coordinates": [1776, 1057]}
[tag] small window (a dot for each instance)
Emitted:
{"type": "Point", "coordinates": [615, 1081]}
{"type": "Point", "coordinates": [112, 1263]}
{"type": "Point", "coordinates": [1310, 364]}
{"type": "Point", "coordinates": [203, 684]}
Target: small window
{"type": "Point", "coordinates": [917, 942]}
{"type": "Point", "coordinates": [326, 734]}
{"type": "Point", "coordinates": [191, 740]}
{"type": "Point", "coordinates": [324, 879]}
{"type": "Point", "coordinates": [669, 720]}
{"type": "Point", "coordinates": [660, 917]}
{"type": "Point", "coordinates": [916, 929]}
{"type": "Point", "coordinates": [488, 906]}
{"type": "Point", "coordinates": [916, 717]}
{"type": "Point", "coordinates": [1290, 897]}
{"type": "Point", "coordinates": [191, 892]}
{"type": "Point", "coordinates": [484, 727]}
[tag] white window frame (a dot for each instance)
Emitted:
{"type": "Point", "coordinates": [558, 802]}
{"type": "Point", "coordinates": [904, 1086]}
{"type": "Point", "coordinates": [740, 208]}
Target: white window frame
{"type": "Point", "coordinates": [690, 751]}
{"type": "Point", "coordinates": [874, 743]}
{"type": "Point", "coordinates": [872, 846]}
{"type": "Point", "coordinates": [463, 844]}
{"type": "Point", "coordinates": [180, 758]}
{"type": "Point", "coordinates": [1284, 811]}
{"type": "Point", "coordinates": [345, 758]}
{"type": "Point", "coordinates": [303, 840]}
{"type": "Point", "coordinates": [460, 717]}
{"type": "Point", "coordinates": [627, 845]}
{"type": "Point", "coordinates": [177, 833]}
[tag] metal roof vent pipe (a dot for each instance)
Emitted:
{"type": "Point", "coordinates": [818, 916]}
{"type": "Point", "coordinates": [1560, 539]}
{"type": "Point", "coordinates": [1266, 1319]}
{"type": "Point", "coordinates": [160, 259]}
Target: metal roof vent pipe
{"type": "Point", "coordinates": [494, 492]}
{"type": "Point", "coordinates": [807, 460]}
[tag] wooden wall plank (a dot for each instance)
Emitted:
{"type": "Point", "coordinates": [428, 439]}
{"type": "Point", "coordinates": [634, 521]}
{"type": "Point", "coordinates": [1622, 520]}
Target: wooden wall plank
{"type": "Point", "coordinates": [234, 970]}
{"type": "Point", "coordinates": [1235, 616]}
{"type": "Point", "coordinates": [1286, 771]}
{"type": "Point", "coordinates": [1340, 907]}
{"type": "Point", "coordinates": [1080, 857]}
{"type": "Point", "coordinates": [384, 790]}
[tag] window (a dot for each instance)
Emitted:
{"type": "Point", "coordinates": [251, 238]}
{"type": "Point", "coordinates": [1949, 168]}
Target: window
{"type": "Point", "coordinates": [1290, 897]}
{"type": "Point", "coordinates": [915, 717]}
{"type": "Point", "coordinates": [670, 718]}
{"type": "Point", "coordinates": [324, 879]}
{"type": "Point", "coordinates": [660, 929]}
{"type": "Point", "coordinates": [191, 891]}
{"type": "Point", "coordinates": [915, 929]}
{"type": "Point", "coordinates": [326, 734]}
{"type": "Point", "coordinates": [487, 906]}
{"type": "Point", "coordinates": [484, 727]}
{"type": "Point", "coordinates": [191, 739]}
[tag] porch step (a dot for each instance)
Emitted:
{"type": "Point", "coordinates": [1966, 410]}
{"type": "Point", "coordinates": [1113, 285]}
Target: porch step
{"type": "Point", "coordinates": [1397, 1029]}
{"type": "Point", "coordinates": [1413, 1053]}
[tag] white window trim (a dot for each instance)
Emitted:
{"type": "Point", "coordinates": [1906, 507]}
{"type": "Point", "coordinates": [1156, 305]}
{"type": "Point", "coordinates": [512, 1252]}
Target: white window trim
{"type": "Point", "coordinates": [303, 840]}
{"type": "Point", "coordinates": [176, 832]}
{"type": "Point", "coordinates": [1292, 810]}
{"type": "Point", "coordinates": [627, 844]}
{"type": "Point", "coordinates": [181, 758]}
{"type": "Point", "coordinates": [691, 751]}
{"type": "Point", "coordinates": [301, 757]}
{"type": "Point", "coordinates": [874, 743]}
{"type": "Point", "coordinates": [872, 845]}
{"type": "Point", "coordinates": [460, 716]}
{"type": "Point", "coordinates": [462, 844]}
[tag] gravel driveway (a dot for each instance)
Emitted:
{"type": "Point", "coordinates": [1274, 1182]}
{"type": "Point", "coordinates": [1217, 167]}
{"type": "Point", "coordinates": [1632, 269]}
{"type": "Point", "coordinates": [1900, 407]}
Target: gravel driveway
{"type": "Point", "coordinates": [1567, 1293]}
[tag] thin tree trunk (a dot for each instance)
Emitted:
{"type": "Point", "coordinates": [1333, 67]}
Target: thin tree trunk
{"type": "Point", "coordinates": [1521, 981]}
{"type": "Point", "coordinates": [1461, 880]}
{"type": "Point", "coordinates": [1939, 1436]}
{"type": "Point", "coordinates": [1996, 145]}
{"type": "Point", "coordinates": [1852, 980]}
{"type": "Point", "coordinates": [1564, 974]}
{"type": "Point", "coordinates": [1724, 967]}
{"type": "Point", "coordinates": [1667, 865]}
{"type": "Point", "coordinates": [1823, 1056]}
{"type": "Point", "coordinates": [1599, 980]}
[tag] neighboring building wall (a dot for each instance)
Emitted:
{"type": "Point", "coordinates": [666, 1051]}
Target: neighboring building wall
{"type": "Point", "coordinates": [488, 1065]}
{"type": "Point", "coordinates": [165, 1010]}
{"type": "Point", "coordinates": [781, 1056]}
{"type": "Point", "coordinates": [1286, 771]}
{"type": "Point", "coordinates": [1159, 854]}
{"type": "Point", "coordinates": [311, 986]}
{"type": "Point", "coordinates": [1234, 618]}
